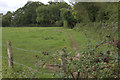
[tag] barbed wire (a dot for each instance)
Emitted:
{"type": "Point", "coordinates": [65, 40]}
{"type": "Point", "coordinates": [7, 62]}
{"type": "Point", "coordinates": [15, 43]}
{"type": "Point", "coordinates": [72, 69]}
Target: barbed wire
{"type": "Point", "coordinates": [17, 63]}
{"type": "Point", "coordinates": [23, 49]}
{"type": "Point", "coordinates": [30, 68]}
{"type": "Point", "coordinates": [33, 51]}
{"type": "Point", "coordinates": [26, 50]}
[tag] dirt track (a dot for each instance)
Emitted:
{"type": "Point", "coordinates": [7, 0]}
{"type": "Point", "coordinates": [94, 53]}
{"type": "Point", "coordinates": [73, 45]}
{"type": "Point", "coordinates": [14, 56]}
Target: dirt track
{"type": "Point", "coordinates": [53, 67]}
{"type": "Point", "coordinates": [74, 46]}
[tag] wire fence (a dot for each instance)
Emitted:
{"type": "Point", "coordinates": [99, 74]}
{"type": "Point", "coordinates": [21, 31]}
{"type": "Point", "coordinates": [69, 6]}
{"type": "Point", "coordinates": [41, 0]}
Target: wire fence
{"type": "Point", "coordinates": [34, 71]}
{"type": "Point", "coordinates": [29, 68]}
{"type": "Point", "coordinates": [27, 50]}
{"type": "Point", "coordinates": [22, 49]}
{"type": "Point", "coordinates": [30, 51]}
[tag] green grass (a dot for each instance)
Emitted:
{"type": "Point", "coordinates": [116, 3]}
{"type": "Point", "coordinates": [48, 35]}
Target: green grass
{"type": "Point", "coordinates": [44, 39]}
{"type": "Point", "coordinates": [34, 39]}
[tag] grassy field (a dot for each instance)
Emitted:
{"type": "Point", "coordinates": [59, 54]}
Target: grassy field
{"type": "Point", "coordinates": [35, 39]}
{"type": "Point", "coordinates": [27, 42]}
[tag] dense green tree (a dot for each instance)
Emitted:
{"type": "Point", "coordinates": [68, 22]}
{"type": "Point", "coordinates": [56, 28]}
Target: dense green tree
{"type": "Point", "coordinates": [18, 19]}
{"type": "Point", "coordinates": [30, 12]}
{"type": "Point", "coordinates": [67, 17]}
{"type": "Point", "coordinates": [26, 15]}
{"type": "Point", "coordinates": [92, 12]}
{"type": "Point", "coordinates": [88, 12]}
{"type": "Point", "coordinates": [47, 14]}
{"type": "Point", "coordinates": [50, 14]}
{"type": "Point", "coordinates": [62, 5]}
{"type": "Point", "coordinates": [111, 12]}
{"type": "Point", "coordinates": [80, 13]}
{"type": "Point", "coordinates": [6, 19]}
{"type": "Point", "coordinates": [61, 14]}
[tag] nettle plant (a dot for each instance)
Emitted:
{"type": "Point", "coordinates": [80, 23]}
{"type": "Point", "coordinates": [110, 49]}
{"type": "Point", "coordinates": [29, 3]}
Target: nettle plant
{"type": "Point", "coordinates": [95, 61]}
{"type": "Point", "coordinates": [98, 60]}
{"type": "Point", "coordinates": [89, 65]}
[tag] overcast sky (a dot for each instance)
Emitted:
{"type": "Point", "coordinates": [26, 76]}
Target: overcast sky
{"type": "Point", "coordinates": [12, 5]}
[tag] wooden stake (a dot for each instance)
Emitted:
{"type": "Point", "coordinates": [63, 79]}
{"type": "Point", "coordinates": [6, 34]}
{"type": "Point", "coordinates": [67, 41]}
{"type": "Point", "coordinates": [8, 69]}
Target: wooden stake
{"type": "Point", "coordinates": [10, 58]}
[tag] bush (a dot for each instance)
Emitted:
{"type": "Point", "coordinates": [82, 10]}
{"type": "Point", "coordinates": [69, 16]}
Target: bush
{"type": "Point", "coordinates": [65, 24]}
{"type": "Point", "coordinates": [59, 23]}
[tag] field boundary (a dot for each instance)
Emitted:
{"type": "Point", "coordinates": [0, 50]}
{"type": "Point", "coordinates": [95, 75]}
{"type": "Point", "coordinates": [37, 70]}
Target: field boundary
{"type": "Point", "coordinates": [29, 68]}
{"type": "Point", "coordinates": [74, 46]}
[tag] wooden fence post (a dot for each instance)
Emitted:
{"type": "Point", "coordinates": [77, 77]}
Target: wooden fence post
{"type": "Point", "coordinates": [10, 58]}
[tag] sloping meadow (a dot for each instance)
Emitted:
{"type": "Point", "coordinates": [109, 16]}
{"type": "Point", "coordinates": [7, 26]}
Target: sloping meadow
{"type": "Point", "coordinates": [35, 49]}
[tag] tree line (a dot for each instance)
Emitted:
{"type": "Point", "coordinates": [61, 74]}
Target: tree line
{"type": "Point", "coordinates": [60, 14]}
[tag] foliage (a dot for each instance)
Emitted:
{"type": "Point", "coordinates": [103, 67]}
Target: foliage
{"type": "Point", "coordinates": [80, 13]}
{"type": "Point", "coordinates": [95, 12]}
{"type": "Point", "coordinates": [50, 14]}
{"type": "Point", "coordinates": [56, 13]}
{"type": "Point", "coordinates": [95, 58]}
{"type": "Point", "coordinates": [67, 17]}
{"type": "Point", "coordinates": [47, 14]}
{"type": "Point", "coordinates": [7, 19]}
{"type": "Point", "coordinates": [112, 11]}
{"type": "Point", "coordinates": [26, 15]}
{"type": "Point", "coordinates": [59, 23]}
{"type": "Point", "coordinates": [35, 40]}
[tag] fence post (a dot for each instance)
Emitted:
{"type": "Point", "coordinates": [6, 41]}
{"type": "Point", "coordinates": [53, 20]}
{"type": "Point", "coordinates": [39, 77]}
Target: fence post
{"type": "Point", "coordinates": [10, 58]}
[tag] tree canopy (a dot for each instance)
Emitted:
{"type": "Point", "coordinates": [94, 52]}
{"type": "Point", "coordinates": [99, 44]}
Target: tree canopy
{"type": "Point", "coordinates": [61, 14]}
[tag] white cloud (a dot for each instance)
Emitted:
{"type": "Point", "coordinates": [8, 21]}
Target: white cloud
{"type": "Point", "coordinates": [10, 5]}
